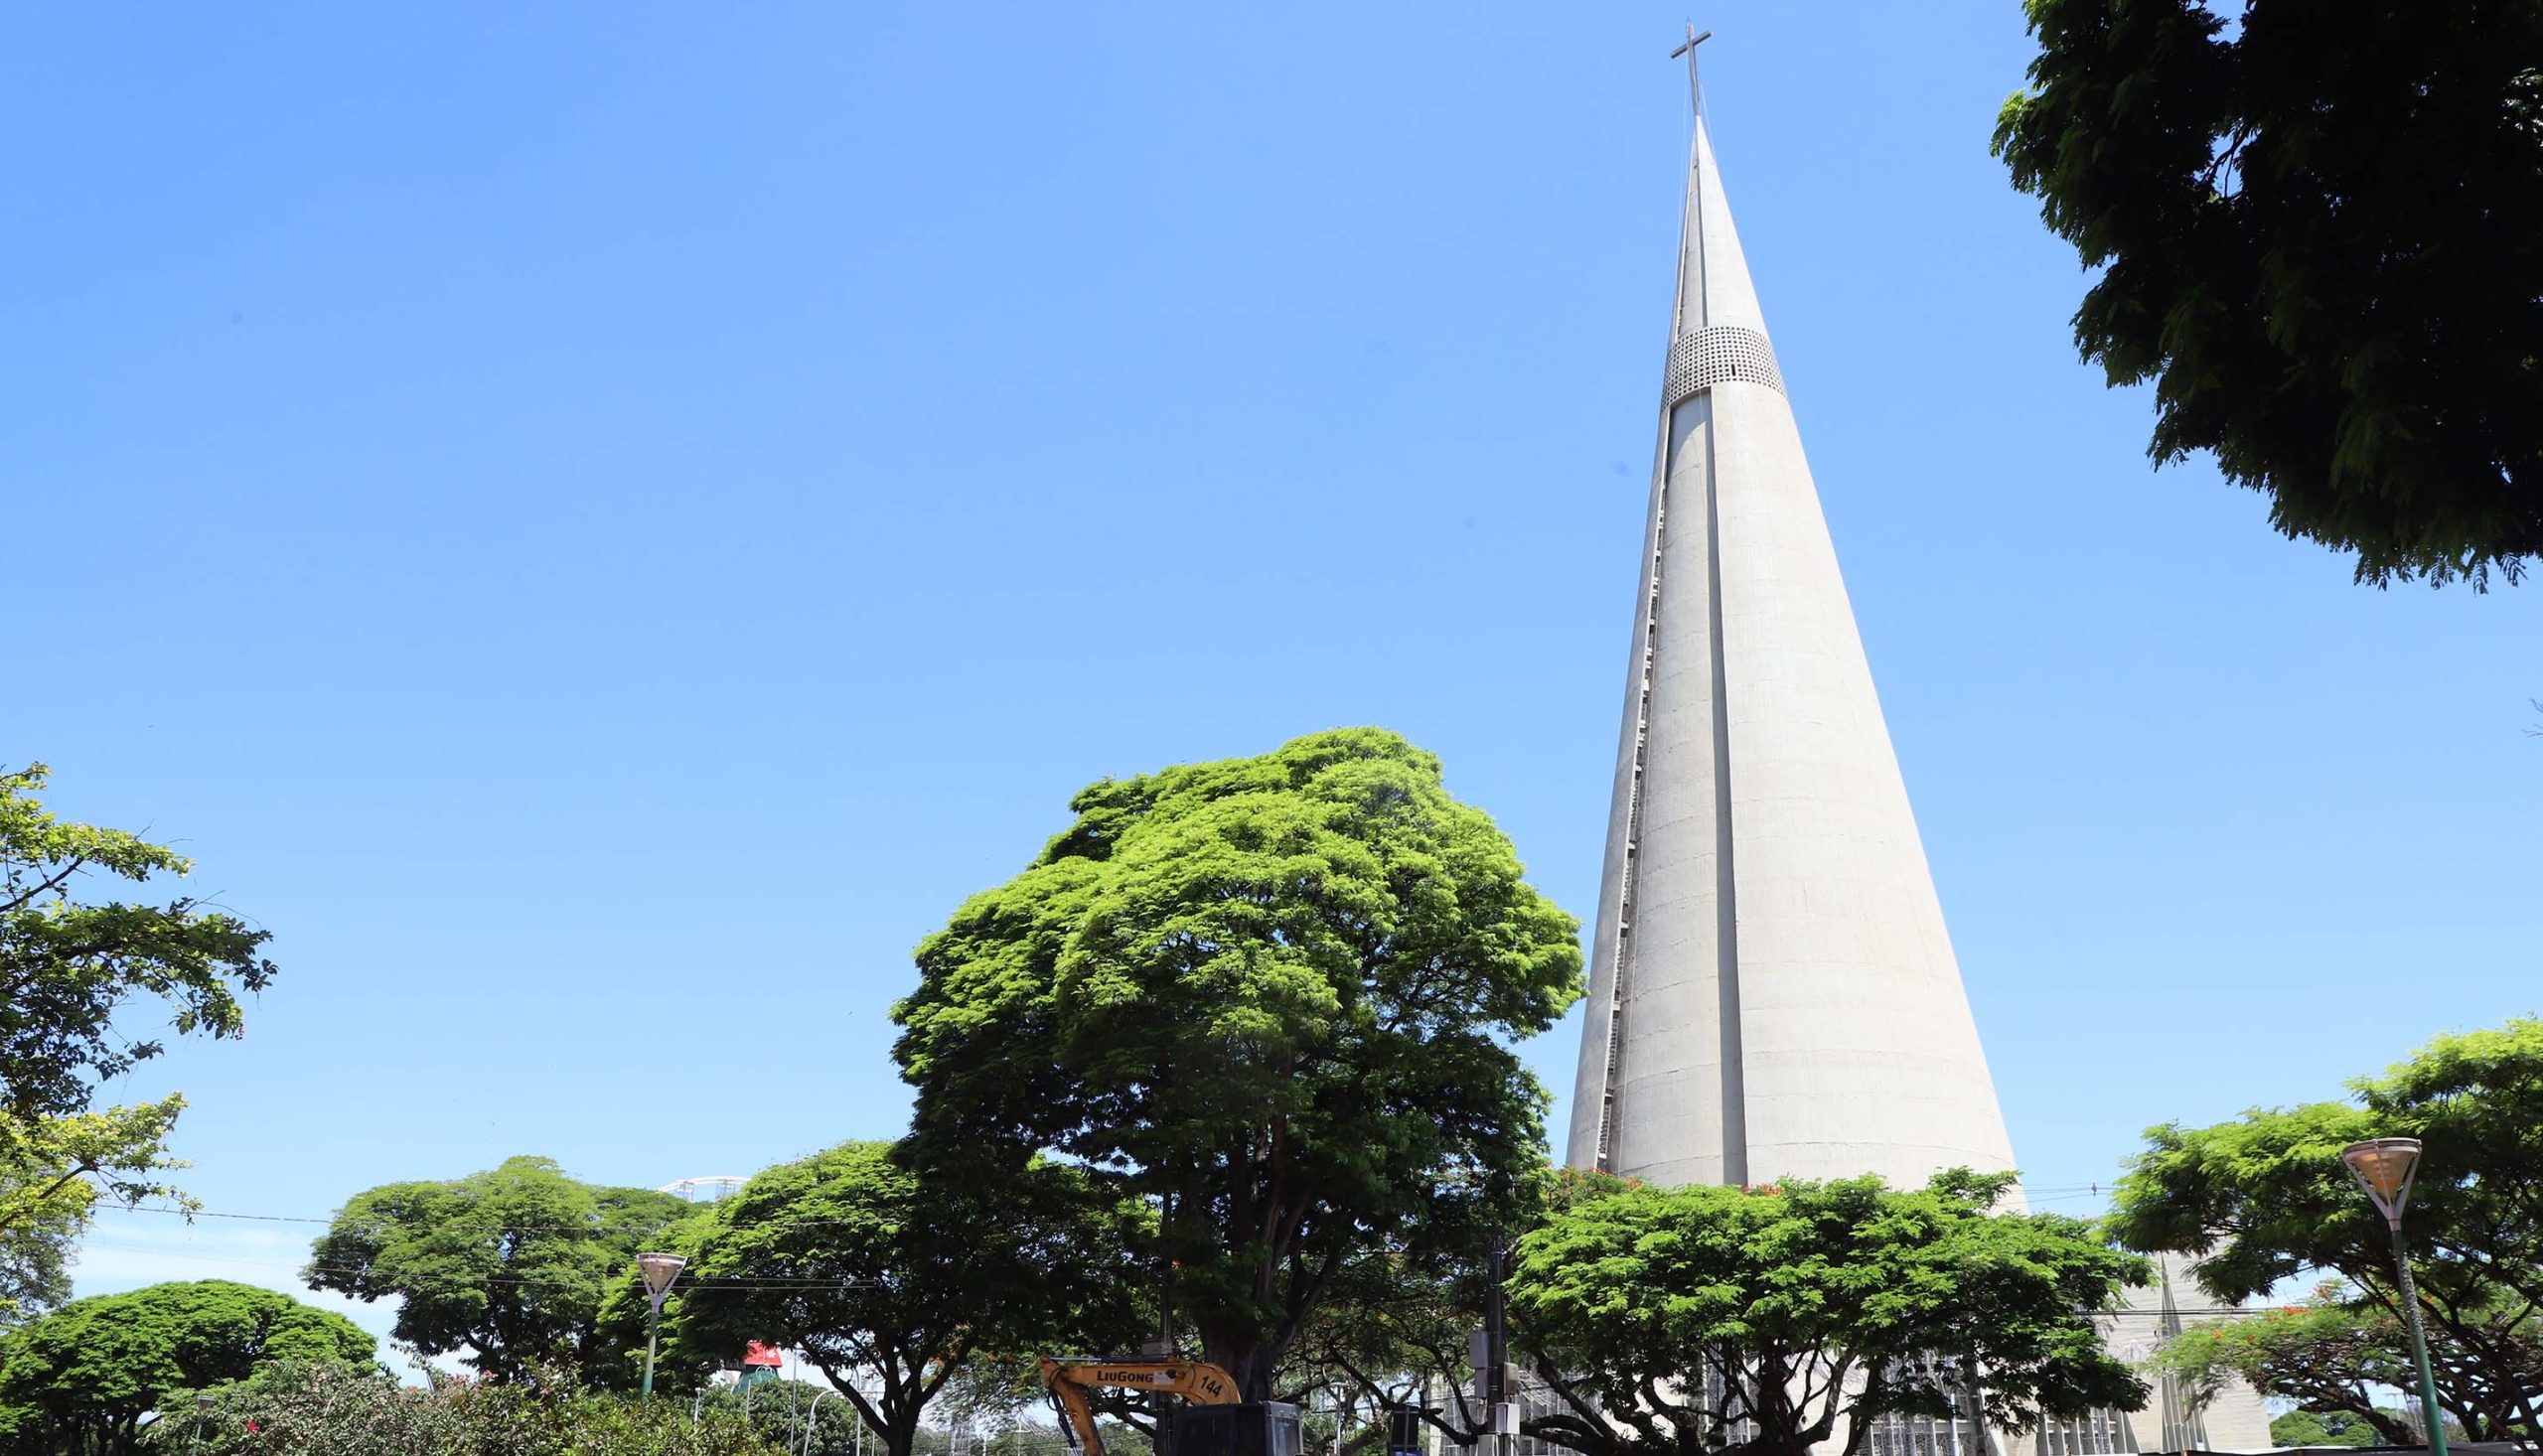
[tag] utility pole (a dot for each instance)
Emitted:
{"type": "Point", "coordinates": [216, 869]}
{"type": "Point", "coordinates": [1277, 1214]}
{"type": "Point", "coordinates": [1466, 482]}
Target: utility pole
{"type": "Point", "coordinates": [1496, 1350]}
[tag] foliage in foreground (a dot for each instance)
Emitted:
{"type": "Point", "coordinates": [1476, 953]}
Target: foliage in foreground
{"type": "Point", "coordinates": [315, 1408]}
{"type": "Point", "coordinates": [83, 1377]}
{"type": "Point", "coordinates": [311, 1408]}
{"type": "Point", "coordinates": [1684, 1311]}
{"type": "Point", "coordinates": [2318, 225]}
{"type": "Point", "coordinates": [71, 967]}
{"type": "Point", "coordinates": [35, 1256]}
{"type": "Point", "coordinates": [2264, 1197]}
{"type": "Point", "coordinates": [1271, 998]}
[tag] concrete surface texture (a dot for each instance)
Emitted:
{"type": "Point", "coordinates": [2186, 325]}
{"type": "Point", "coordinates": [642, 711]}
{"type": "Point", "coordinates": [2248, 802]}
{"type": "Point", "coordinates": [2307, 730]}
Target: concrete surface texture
{"type": "Point", "coordinates": [1772, 992]}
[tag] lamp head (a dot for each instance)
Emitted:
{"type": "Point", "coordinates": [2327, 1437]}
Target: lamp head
{"type": "Point", "coordinates": [660, 1271]}
{"type": "Point", "coordinates": [2383, 1166]}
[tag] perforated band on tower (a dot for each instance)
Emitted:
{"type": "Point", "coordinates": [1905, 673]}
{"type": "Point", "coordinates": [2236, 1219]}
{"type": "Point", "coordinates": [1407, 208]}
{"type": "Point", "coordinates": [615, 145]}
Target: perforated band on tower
{"type": "Point", "coordinates": [1707, 357]}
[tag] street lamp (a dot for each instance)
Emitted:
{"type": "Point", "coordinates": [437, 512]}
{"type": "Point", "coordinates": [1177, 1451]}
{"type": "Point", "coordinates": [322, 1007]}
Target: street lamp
{"type": "Point", "coordinates": [2383, 1167]}
{"type": "Point", "coordinates": [813, 1422]}
{"type": "Point", "coordinates": [660, 1271]}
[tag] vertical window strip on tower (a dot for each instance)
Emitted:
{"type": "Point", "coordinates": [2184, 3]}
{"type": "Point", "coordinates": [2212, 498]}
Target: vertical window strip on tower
{"type": "Point", "coordinates": [1698, 359]}
{"type": "Point", "coordinates": [1648, 648]}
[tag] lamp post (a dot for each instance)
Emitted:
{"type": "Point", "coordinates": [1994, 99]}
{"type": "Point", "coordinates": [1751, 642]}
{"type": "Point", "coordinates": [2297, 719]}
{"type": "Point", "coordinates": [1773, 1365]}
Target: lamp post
{"type": "Point", "coordinates": [659, 1270]}
{"type": "Point", "coordinates": [2383, 1167]}
{"type": "Point", "coordinates": [813, 1420]}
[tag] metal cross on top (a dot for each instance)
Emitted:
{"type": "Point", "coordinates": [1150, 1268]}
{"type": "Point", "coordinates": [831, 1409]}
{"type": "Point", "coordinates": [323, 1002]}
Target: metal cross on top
{"type": "Point", "coordinates": [1694, 92]}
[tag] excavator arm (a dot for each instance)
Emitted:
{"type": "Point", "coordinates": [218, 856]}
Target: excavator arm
{"type": "Point", "coordinates": [1196, 1381]}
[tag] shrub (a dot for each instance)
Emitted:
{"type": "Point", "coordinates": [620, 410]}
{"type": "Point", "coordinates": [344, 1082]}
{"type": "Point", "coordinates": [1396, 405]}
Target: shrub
{"type": "Point", "coordinates": [320, 1410]}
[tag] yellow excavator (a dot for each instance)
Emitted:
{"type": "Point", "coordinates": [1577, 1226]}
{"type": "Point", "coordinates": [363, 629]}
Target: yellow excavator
{"type": "Point", "coordinates": [1267, 1429]}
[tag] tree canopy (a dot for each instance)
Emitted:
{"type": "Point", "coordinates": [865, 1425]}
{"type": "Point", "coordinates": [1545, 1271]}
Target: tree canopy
{"type": "Point", "coordinates": [81, 1377]}
{"type": "Point", "coordinates": [1398, 1327]}
{"type": "Point", "coordinates": [1271, 997]}
{"type": "Point", "coordinates": [2301, 1427]}
{"type": "Point", "coordinates": [35, 1258]}
{"type": "Point", "coordinates": [2329, 1357]}
{"type": "Point", "coordinates": [70, 968]}
{"type": "Point", "coordinates": [2318, 225]}
{"type": "Point", "coordinates": [507, 1266]}
{"type": "Point", "coordinates": [890, 1284]}
{"type": "Point", "coordinates": [1686, 1311]}
{"type": "Point", "coordinates": [2264, 1197]}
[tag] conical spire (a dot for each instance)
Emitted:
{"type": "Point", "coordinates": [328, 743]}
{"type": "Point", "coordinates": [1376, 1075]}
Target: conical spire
{"type": "Point", "coordinates": [1772, 992]}
{"type": "Point", "coordinates": [1712, 273]}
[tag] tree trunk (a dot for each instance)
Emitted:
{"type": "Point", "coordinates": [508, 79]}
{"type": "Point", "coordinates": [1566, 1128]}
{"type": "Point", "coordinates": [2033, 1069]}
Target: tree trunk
{"type": "Point", "coordinates": [1767, 1443]}
{"type": "Point", "coordinates": [2394, 1431]}
{"type": "Point", "coordinates": [1781, 1444]}
{"type": "Point", "coordinates": [901, 1435]}
{"type": "Point", "coordinates": [1251, 1360]}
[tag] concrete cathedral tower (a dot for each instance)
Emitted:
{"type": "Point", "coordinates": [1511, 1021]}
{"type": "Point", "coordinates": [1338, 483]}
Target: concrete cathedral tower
{"type": "Point", "coordinates": [1772, 994]}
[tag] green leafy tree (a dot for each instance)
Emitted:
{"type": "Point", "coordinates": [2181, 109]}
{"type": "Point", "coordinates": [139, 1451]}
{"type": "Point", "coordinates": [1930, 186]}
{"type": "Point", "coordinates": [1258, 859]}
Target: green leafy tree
{"type": "Point", "coordinates": [2330, 1357]}
{"type": "Point", "coordinates": [56, 1167]}
{"type": "Point", "coordinates": [70, 968]}
{"type": "Point", "coordinates": [34, 1259]}
{"type": "Point", "coordinates": [892, 1283]}
{"type": "Point", "coordinates": [2264, 1197]}
{"type": "Point", "coordinates": [1687, 1310]}
{"type": "Point", "coordinates": [506, 1267]}
{"type": "Point", "coordinates": [796, 1416]}
{"type": "Point", "coordinates": [1396, 1331]}
{"type": "Point", "coordinates": [2328, 1428]}
{"type": "Point", "coordinates": [2317, 232]}
{"type": "Point", "coordinates": [1391, 1331]}
{"type": "Point", "coordinates": [809, 1420]}
{"type": "Point", "coordinates": [1271, 996]}
{"type": "Point", "coordinates": [82, 1378]}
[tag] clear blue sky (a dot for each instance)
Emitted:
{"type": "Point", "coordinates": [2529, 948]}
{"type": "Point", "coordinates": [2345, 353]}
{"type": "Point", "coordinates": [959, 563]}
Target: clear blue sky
{"type": "Point", "coordinates": [600, 527]}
